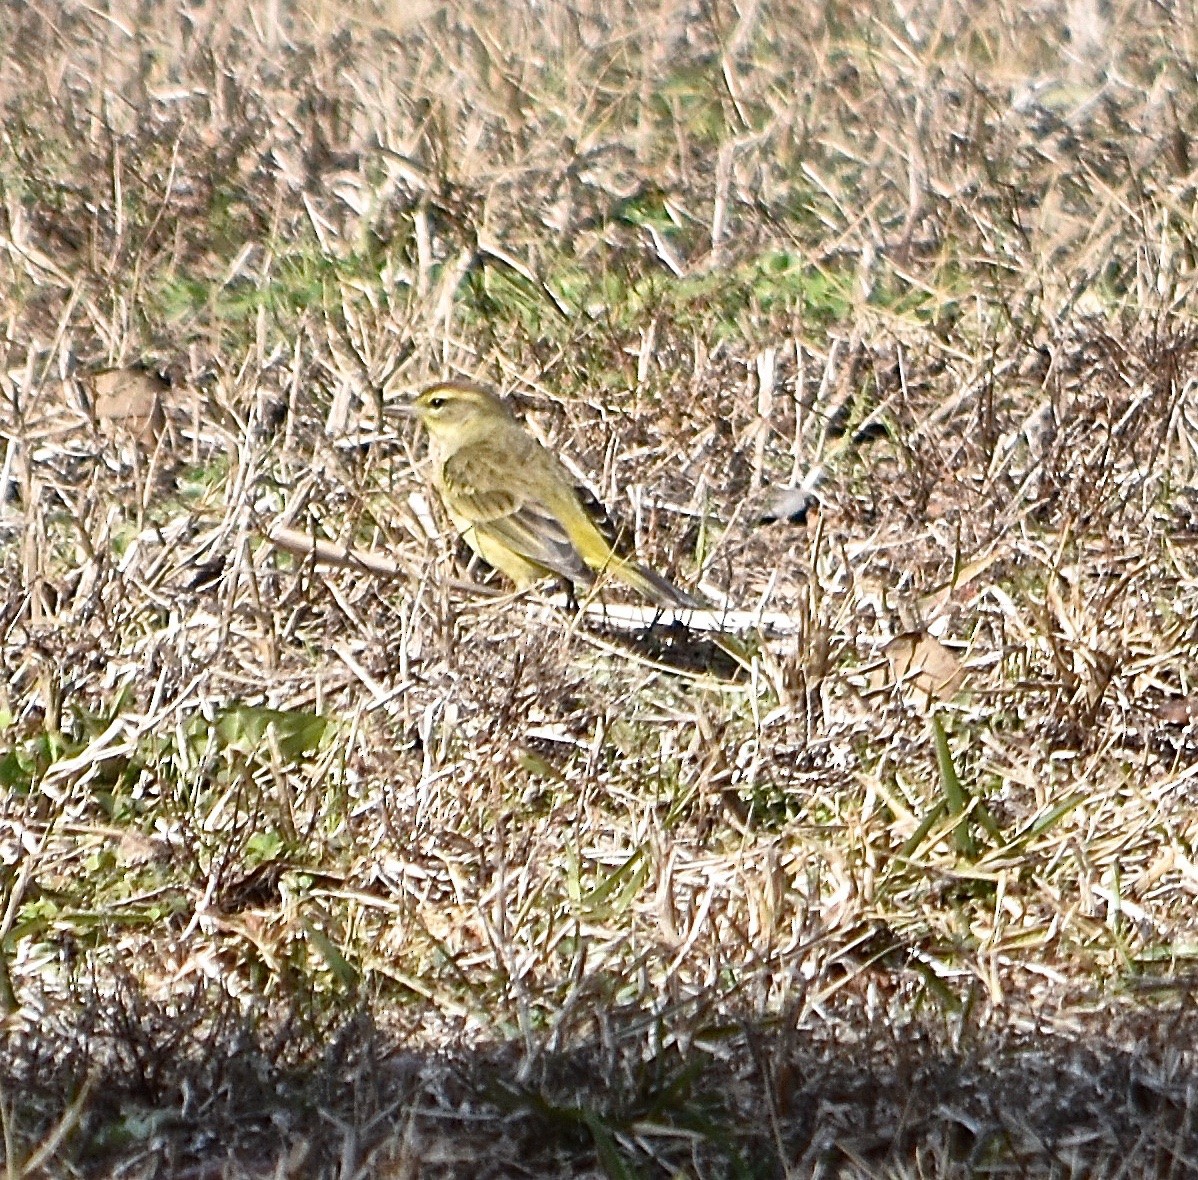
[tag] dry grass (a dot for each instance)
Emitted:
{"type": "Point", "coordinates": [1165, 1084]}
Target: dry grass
{"type": "Point", "coordinates": [311, 869]}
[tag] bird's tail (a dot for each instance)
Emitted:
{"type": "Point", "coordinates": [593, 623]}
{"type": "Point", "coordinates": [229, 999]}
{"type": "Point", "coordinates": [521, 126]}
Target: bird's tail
{"type": "Point", "coordinates": [653, 586]}
{"type": "Point", "coordinates": [614, 545]}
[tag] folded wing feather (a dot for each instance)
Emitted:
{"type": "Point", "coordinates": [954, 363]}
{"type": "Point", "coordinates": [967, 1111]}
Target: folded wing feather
{"type": "Point", "coordinates": [504, 508]}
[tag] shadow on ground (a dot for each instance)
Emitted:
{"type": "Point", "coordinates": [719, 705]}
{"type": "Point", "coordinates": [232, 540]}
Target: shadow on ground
{"type": "Point", "coordinates": [204, 1087]}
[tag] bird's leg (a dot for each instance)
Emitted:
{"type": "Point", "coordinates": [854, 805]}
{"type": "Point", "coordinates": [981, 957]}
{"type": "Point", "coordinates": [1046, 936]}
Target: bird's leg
{"type": "Point", "coordinates": [567, 586]}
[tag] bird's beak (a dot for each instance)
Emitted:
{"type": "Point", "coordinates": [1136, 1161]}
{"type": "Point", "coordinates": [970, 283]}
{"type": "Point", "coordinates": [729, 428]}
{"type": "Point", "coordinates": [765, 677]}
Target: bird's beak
{"type": "Point", "coordinates": [403, 409]}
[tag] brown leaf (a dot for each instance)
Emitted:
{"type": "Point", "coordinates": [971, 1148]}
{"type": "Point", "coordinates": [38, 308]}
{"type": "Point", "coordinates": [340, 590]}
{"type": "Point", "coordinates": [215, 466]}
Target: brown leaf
{"type": "Point", "coordinates": [129, 401]}
{"type": "Point", "coordinates": [923, 662]}
{"type": "Point", "coordinates": [1178, 711]}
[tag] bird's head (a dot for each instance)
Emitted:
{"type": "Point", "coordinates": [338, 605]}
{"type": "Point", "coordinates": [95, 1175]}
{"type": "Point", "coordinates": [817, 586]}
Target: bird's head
{"type": "Point", "coordinates": [451, 409]}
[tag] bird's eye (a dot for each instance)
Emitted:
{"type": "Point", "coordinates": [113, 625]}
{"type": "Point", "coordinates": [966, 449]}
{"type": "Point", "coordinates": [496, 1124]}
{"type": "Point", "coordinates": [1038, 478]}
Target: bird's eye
{"type": "Point", "coordinates": [436, 403]}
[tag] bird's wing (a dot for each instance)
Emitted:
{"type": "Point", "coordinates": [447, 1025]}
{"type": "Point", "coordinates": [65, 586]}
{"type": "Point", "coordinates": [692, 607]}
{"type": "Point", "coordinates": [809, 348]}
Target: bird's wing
{"type": "Point", "coordinates": [499, 503]}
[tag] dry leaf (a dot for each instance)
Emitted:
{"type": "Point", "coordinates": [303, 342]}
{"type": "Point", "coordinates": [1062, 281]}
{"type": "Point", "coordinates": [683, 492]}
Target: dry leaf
{"type": "Point", "coordinates": [930, 604]}
{"type": "Point", "coordinates": [923, 662]}
{"type": "Point", "coordinates": [129, 401]}
{"type": "Point", "coordinates": [1178, 711]}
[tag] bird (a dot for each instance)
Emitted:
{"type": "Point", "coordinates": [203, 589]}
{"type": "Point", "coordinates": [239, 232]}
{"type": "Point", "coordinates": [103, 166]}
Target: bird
{"type": "Point", "coordinates": [515, 503]}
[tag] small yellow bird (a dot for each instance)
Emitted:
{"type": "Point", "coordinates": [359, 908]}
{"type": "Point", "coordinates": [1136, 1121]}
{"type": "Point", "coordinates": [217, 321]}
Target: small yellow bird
{"type": "Point", "coordinates": [514, 502]}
